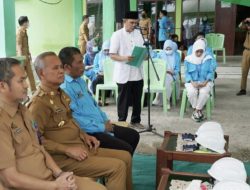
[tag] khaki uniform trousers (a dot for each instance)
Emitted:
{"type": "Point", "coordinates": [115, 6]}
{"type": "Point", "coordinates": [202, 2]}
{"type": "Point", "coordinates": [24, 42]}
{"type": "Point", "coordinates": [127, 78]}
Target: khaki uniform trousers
{"type": "Point", "coordinates": [114, 165]}
{"type": "Point", "coordinates": [82, 47]}
{"type": "Point", "coordinates": [245, 65]}
{"type": "Point", "coordinates": [84, 183]}
{"type": "Point", "coordinates": [28, 69]}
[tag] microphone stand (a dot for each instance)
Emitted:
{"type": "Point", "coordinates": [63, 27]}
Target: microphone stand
{"type": "Point", "coordinates": [149, 58]}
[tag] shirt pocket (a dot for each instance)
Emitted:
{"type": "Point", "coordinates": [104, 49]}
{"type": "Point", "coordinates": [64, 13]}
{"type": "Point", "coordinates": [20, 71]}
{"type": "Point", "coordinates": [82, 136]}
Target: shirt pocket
{"type": "Point", "coordinates": [20, 140]}
{"type": "Point", "coordinates": [17, 134]}
{"type": "Point", "coordinates": [59, 116]}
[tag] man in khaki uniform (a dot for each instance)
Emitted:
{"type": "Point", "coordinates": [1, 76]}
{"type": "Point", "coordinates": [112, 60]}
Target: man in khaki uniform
{"type": "Point", "coordinates": [145, 24]}
{"type": "Point", "coordinates": [72, 149]}
{"type": "Point", "coordinates": [22, 47]}
{"type": "Point", "coordinates": [83, 34]}
{"type": "Point", "coordinates": [24, 164]}
{"type": "Point", "coordinates": [245, 65]}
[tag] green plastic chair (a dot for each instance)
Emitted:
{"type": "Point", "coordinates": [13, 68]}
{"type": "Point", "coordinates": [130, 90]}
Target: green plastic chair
{"type": "Point", "coordinates": [109, 84]}
{"type": "Point", "coordinates": [184, 105]}
{"type": "Point", "coordinates": [210, 39]}
{"type": "Point", "coordinates": [219, 45]}
{"type": "Point", "coordinates": [216, 42]}
{"type": "Point", "coordinates": [155, 85]}
{"type": "Point", "coordinates": [86, 79]}
{"type": "Point", "coordinates": [157, 50]}
{"type": "Point", "coordinates": [174, 95]}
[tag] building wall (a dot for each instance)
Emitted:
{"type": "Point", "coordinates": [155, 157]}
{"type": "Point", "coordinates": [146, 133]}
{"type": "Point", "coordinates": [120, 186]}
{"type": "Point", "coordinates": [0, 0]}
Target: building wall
{"type": "Point", "coordinates": [7, 28]}
{"type": "Point", "coordinates": [51, 26]}
{"type": "Point", "coordinates": [225, 23]}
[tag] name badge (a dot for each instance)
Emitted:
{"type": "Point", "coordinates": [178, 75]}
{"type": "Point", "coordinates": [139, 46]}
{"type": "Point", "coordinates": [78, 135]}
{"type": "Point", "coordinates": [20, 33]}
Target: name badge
{"type": "Point", "coordinates": [16, 130]}
{"type": "Point", "coordinates": [59, 110]}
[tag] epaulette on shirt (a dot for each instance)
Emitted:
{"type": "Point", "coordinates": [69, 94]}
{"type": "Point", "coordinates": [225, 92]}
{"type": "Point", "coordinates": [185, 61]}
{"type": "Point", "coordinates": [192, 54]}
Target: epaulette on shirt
{"type": "Point", "coordinates": [38, 93]}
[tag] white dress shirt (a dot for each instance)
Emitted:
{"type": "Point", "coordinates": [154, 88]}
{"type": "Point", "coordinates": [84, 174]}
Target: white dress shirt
{"type": "Point", "coordinates": [122, 43]}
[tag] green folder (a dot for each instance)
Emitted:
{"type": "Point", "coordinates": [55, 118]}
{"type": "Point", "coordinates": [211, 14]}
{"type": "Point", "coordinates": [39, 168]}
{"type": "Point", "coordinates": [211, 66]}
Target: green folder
{"type": "Point", "coordinates": [139, 54]}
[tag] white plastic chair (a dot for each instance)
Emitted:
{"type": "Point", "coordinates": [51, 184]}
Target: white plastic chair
{"type": "Point", "coordinates": [109, 84]}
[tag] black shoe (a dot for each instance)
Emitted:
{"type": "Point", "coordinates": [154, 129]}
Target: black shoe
{"type": "Point", "coordinates": [241, 92]}
{"type": "Point", "coordinates": [195, 116]}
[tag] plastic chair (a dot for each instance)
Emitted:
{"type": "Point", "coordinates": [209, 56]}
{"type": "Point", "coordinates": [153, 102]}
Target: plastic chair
{"type": "Point", "coordinates": [109, 84]}
{"type": "Point", "coordinates": [219, 45]}
{"type": "Point", "coordinates": [155, 85]}
{"type": "Point", "coordinates": [184, 105]}
{"type": "Point", "coordinates": [157, 50]}
{"type": "Point", "coordinates": [216, 42]}
{"type": "Point", "coordinates": [88, 82]}
{"type": "Point", "coordinates": [210, 39]}
{"type": "Point", "coordinates": [86, 79]}
{"type": "Point", "coordinates": [174, 94]}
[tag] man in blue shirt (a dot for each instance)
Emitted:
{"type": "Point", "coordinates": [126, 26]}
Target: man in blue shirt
{"type": "Point", "coordinates": [166, 27]}
{"type": "Point", "coordinates": [86, 111]}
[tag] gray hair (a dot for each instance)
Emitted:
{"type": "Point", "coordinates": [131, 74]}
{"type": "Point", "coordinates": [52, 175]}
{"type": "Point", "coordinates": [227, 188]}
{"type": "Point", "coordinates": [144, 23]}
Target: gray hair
{"type": "Point", "coordinates": [39, 61]}
{"type": "Point", "coordinates": [6, 73]}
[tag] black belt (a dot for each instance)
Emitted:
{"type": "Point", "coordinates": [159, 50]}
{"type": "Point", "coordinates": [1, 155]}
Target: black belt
{"type": "Point", "coordinates": [247, 49]}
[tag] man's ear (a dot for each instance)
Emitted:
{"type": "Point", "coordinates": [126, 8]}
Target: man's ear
{"type": "Point", "coordinates": [66, 67]}
{"type": "Point", "coordinates": [40, 74]}
{"type": "Point", "coordinates": [3, 86]}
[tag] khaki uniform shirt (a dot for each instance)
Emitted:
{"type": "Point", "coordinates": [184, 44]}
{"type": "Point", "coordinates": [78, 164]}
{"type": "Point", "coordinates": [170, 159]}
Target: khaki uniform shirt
{"type": "Point", "coordinates": [22, 45]}
{"type": "Point", "coordinates": [145, 24]}
{"type": "Point", "coordinates": [50, 109]}
{"type": "Point", "coordinates": [83, 33]}
{"type": "Point", "coordinates": [247, 40]}
{"type": "Point", "coordinates": [19, 144]}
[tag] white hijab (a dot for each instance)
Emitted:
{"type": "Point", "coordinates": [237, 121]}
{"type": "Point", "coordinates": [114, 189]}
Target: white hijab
{"type": "Point", "coordinates": [169, 57]}
{"type": "Point", "coordinates": [198, 45]}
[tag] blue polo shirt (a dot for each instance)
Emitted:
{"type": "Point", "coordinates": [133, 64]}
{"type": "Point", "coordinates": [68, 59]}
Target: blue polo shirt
{"type": "Point", "coordinates": [84, 108]}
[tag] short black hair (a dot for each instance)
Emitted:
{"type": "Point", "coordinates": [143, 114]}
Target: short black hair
{"type": "Point", "coordinates": [174, 36]}
{"type": "Point", "coordinates": [165, 13]}
{"type": "Point", "coordinates": [22, 20]}
{"type": "Point", "coordinates": [84, 17]}
{"type": "Point", "coordinates": [199, 34]}
{"type": "Point", "coordinates": [6, 73]}
{"type": "Point", "coordinates": [66, 55]}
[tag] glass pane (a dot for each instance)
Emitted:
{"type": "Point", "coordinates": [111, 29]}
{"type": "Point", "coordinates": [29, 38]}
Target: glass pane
{"type": "Point", "coordinates": [153, 7]}
{"type": "Point", "coordinates": [94, 10]}
{"type": "Point", "coordinates": [207, 14]}
{"type": "Point", "coordinates": [198, 16]}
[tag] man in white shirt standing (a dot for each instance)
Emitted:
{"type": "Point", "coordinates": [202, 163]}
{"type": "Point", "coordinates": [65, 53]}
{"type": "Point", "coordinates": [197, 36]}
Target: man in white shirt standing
{"type": "Point", "coordinates": [128, 78]}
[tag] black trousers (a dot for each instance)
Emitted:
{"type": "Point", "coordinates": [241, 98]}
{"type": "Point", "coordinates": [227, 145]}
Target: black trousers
{"type": "Point", "coordinates": [130, 93]}
{"type": "Point", "coordinates": [161, 44]}
{"type": "Point", "coordinates": [124, 139]}
{"type": "Point", "coordinates": [98, 80]}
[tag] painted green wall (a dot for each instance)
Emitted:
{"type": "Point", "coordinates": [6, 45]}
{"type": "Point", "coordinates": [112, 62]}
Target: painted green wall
{"type": "Point", "coordinates": [78, 13]}
{"type": "Point", "coordinates": [108, 15]}
{"type": "Point", "coordinates": [51, 26]}
{"type": "Point", "coordinates": [7, 28]}
{"type": "Point", "coordinates": [178, 17]}
{"type": "Point", "coordinates": [133, 5]}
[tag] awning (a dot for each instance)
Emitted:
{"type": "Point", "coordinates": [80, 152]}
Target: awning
{"type": "Point", "coordinates": [239, 2]}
